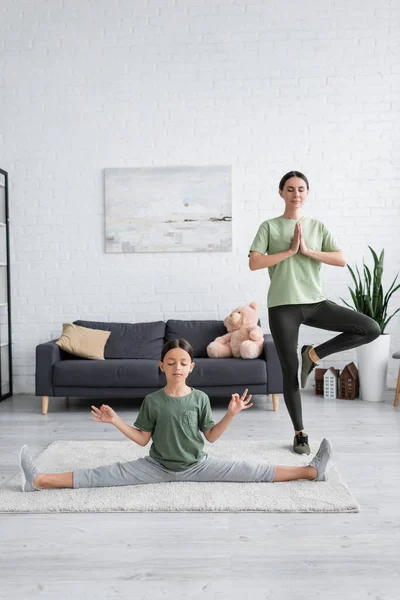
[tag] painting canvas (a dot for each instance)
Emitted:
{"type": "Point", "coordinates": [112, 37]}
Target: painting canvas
{"type": "Point", "coordinates": [168, 209]}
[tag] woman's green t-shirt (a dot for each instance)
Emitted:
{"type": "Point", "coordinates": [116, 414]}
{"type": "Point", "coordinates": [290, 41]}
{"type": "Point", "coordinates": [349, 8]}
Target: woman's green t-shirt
{"type": "Point", "coordinates": [295, 280]}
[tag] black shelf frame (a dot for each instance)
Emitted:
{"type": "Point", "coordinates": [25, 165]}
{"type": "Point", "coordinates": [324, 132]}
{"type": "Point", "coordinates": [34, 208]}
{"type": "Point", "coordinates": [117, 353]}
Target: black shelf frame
{"type": "Point", "coordinates": [7, 227]}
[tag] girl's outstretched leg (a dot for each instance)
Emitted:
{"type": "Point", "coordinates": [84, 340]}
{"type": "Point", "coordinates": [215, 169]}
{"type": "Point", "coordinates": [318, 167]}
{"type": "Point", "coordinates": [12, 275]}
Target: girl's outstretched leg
{"type": "Point", "coordinates": [135, 472]}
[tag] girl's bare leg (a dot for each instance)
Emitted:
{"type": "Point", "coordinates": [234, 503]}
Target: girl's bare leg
{"type": "Point", "coordinates": [293, 473]}
{"type": "Point", "coordinates": [53, 480]}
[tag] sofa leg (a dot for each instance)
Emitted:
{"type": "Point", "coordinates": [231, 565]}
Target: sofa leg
{"type": "Point", "coordinates": [275, 402]}
{"type": "Point", "coordinates": [45, 404]}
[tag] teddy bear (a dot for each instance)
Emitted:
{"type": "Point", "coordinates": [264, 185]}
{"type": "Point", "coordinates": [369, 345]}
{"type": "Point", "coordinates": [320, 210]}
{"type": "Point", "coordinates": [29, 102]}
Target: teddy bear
{"type": "Point", "coordinates": [245, 339]}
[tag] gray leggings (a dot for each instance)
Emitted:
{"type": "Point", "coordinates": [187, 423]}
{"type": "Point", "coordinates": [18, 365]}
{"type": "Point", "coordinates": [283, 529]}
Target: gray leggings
{"type": "Point", "coordinates": [285, 321]}
{"type": "Point", "coordinates": [148, 470]}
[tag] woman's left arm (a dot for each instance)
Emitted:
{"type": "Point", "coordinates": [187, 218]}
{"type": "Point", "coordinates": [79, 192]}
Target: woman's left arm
{"type": "Point", "coordinates": [335, 258]}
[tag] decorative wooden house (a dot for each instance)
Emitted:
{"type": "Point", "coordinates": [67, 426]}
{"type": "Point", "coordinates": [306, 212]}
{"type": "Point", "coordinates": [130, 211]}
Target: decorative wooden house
{"type": "Point", "coordinates": [331, 381]}
{"type": "Point", "coordinates": [319, 381]}
{"type": "Point", "coordinates": [349, 385]}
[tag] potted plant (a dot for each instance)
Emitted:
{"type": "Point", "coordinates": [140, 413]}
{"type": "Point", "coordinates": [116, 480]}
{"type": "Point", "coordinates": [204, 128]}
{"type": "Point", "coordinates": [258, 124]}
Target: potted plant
{"type": "Point", "coordinates": [369, 299]}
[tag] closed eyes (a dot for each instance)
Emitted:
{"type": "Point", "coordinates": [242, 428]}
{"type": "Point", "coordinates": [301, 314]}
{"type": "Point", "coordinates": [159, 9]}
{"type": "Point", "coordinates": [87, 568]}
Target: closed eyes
{"type": "Point", "coordinates": [172, 364]}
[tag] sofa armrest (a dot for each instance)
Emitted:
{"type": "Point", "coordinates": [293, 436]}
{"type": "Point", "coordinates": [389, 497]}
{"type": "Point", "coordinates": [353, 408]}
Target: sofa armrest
{"type": "Point", "coordinates": [274, 371]}
{"type": "Point", "coordinates": [46, 355]}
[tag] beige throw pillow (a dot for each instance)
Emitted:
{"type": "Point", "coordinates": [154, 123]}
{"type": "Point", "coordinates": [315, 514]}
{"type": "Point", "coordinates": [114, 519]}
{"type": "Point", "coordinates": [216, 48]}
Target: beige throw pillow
{"type": "Point", "coordinates": [83, 341]}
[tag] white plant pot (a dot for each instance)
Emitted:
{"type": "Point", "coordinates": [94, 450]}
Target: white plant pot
{"type": "Point", "coordinates": [372, 361]}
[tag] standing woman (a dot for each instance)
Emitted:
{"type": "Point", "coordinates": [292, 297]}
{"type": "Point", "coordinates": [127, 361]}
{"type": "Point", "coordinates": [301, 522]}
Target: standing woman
{"type": "Point", "coordinates": [292, 248]}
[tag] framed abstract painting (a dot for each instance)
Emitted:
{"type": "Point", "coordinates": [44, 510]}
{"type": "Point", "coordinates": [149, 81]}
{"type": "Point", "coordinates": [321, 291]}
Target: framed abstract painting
{"type": "Point", "coordinates": [168, 209]}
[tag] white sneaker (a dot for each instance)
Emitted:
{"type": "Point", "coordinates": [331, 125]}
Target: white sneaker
{"type": "Point", "coordinates": [28, 470]}
{"type": "Point", "coordinates": [321, 460]}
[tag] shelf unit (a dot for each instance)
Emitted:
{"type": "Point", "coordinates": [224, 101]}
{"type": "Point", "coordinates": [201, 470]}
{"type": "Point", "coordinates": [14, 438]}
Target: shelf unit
{"type": "Point", "coordinates": [5, 295]}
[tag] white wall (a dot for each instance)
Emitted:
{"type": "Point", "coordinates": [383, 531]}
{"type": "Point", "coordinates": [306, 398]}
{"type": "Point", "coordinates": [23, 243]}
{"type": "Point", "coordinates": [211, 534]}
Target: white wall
{"type": "Point", "coordinates": [265, 87]}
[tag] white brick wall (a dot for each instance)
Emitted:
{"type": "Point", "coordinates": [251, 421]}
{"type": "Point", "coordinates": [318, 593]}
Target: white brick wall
{"type": "Point", "coordinates": [266, 87]}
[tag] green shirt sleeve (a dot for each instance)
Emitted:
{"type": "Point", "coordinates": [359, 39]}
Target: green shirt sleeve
{"type": "Point", "coordinates": [206, 418]}
{"type": "Point", "coordinates": [261, 241]}
{"type": "Point", "coordinates": [329, 243]}
{"type": "Point", "coordinates": [145, 421]}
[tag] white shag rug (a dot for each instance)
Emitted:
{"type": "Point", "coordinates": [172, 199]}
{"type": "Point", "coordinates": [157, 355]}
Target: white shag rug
{"type": "Point", "coordinates": [295, 496]}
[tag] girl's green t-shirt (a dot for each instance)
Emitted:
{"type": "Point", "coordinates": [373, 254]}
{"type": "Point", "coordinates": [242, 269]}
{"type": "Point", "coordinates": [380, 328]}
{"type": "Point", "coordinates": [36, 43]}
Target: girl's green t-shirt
{"type": "Point", "coordinates": [295, 280]}
{"type": "Point", "coordinates": [176, 424]}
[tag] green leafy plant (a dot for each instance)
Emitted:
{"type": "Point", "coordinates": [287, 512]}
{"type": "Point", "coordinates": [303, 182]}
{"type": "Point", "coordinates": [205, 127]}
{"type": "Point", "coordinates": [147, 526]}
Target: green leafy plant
{"type": "Point", "coordinates": [368, 295]}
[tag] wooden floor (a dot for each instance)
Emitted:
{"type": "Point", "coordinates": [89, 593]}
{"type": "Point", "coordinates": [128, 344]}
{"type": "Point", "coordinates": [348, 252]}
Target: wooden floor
{"type": "Point", "coordinates": [201, 555]}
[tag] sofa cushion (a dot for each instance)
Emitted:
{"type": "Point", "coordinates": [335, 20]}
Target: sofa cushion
{"type": "Point", "coordinates": [198, 333]}
{"type": "Point", "coordinates": [82, 341]}
{"type": "Point", "coordinates": [228, 371]}
{"type": "Point", "coordinates": [110, 373]}
{"type": "Point", "coordinates": [131, 340]}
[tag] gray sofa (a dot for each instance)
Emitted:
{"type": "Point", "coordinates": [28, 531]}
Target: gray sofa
{"type": "Point", "coordinates": [132, 354]}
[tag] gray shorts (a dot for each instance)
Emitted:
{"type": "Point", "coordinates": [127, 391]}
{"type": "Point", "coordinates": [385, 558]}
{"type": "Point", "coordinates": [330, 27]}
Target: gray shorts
{"type": "Point", "coordinates": [147, 470]}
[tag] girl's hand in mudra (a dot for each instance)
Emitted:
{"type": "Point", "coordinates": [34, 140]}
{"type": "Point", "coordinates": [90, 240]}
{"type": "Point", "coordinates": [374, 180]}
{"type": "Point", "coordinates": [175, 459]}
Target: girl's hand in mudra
{"type": "Point", "coordinates": [239, 403]}
{"type": "Point", "coordinates": [104, 414]}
